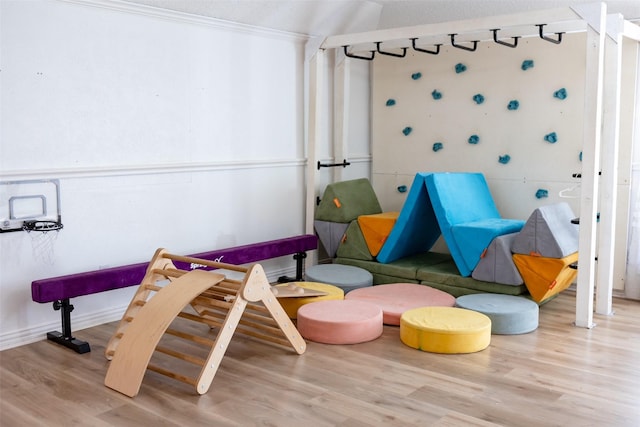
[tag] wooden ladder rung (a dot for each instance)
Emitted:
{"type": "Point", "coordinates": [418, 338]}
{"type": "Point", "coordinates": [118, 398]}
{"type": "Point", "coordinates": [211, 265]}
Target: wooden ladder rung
{"type": "Point", "coordinates": [180, 355]}
{"type": "Point", "coordinates": [151, 287]}
{"type": "Point", "coordinates": [169, 272]}
{"type": "Point", "coordinates": [190, 337]}
{"type": "Point", "coordinates": [171, 374]}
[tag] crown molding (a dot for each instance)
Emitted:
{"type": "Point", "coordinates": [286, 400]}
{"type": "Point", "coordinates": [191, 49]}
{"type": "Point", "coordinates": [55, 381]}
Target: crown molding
{"type": "Point", "coordinates": [166, 14]}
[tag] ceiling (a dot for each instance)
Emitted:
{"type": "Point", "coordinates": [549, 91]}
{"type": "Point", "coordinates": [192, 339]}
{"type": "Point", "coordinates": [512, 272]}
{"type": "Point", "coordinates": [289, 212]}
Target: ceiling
{"type": "Point", "coordinates": [330, 17]}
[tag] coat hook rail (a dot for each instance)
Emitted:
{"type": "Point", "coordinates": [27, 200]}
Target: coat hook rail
{"type": "Point", "coordinates": [459, 46]}
{"type": "Point", "coordinates": [351, 55]}
{"type": "Point", "coordinates": [397, 55]}
{"type": "Point", "coordinates": [432, 52]}
{"type": "Point", "coordinates": [344, 164]}
{"type": "Point", "coordinates": [503, 43]}
{"type": "Point", "coordinates": [549, 39]}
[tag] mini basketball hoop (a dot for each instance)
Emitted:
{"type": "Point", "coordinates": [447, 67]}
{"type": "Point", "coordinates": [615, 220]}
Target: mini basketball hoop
{"type": "Point", "coordinates": [43, 237]}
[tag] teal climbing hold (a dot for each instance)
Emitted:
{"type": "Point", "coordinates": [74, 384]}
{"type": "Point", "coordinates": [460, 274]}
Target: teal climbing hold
{"type": "Point", "coordinates": [551, 137]}
{"type": "Point", "coordinates": [560, 93]}
{"type": "Point", "coordinates": [416, 76]}
{"type": "Point", "coordinates": [474, 139]}
{"type": "Point", "coordinates": [460, 68]}
{"type": "Point", "coordinates": [391, 102]}
{"type": "Point", "coordinates": [542, 193]}
{"type": "Point", "coordinates": [504, 159]}
{"type": "Point", "coordinates": [437, 146]}
{"type": "Point", "coordinates": [478, 98]}
{"type": "Point", "coordinates": [580, 156]}
{"type": "Point", "coordinates": [406, 131]}
{"type": "Point", "coordinates": [402, 188]}
{"type": "Point", "coordinates": [513, 105]}
{"type": "Point", "coordinates": [526, 64]}
{"type": "Point", "coordinates": [436, 95]}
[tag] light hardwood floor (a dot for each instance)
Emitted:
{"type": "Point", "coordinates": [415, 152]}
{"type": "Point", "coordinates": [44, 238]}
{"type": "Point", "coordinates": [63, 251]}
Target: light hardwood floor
{"type": "Point", "coordinates": [558, 375]}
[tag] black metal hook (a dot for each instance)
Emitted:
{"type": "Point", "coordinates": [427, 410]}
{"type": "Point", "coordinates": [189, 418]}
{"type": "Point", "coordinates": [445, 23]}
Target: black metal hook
{"type": "Point", "coordinates": [397, 55]}
{"type": "Point", "coordinates": [549, 39]}
{"type": "Point", "coordinates": [503, 43]}
{"type": "Point", "coordinates": [470, 49]}
{"type": "Point", "coordinates": [433, 52]}
{"type": "Point", "coordinates": [351, 55]}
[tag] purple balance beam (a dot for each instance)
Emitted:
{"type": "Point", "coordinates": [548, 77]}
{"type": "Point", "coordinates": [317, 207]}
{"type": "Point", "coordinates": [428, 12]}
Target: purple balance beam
{"type": "Point", "coordinates": [60, 289]}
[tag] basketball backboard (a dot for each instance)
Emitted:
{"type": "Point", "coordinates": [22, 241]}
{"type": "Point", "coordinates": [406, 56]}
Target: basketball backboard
{"type": "Point", "coordinates": [28, 200]}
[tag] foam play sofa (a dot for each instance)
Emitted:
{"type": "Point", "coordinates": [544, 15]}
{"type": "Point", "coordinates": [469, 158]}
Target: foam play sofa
{"type": "Point", "coordinates": [487, 253]}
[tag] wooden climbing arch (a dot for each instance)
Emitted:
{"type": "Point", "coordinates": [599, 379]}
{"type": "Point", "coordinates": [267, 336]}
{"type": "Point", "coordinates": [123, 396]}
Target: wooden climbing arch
{"type": "Point", "coordinates": [219, 306]}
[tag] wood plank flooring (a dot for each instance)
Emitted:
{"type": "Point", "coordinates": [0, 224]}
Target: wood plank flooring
{"type": "Point", "coordinates": [558, 375]}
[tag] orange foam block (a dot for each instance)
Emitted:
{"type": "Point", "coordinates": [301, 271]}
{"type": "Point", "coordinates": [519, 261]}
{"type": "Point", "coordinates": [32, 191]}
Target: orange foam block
{"type": "Point", "coordinates": [546, 277]}
{"type": "Point", "coordinates": [376, 228]}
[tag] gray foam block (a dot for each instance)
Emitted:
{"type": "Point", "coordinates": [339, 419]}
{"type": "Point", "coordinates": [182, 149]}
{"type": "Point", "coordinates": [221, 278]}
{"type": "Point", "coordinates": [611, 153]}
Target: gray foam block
{"type": "Point", "coordinates": [330, 235]}
{"type": "Point", "coordinates": [496, 265]}
{"type": "Point", "coordinates": [548, 232]}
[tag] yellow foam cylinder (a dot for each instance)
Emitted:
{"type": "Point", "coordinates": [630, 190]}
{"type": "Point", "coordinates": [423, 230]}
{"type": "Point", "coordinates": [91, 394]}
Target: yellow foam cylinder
{"type": "Point", "coordinates": [449, 330]}
{"type": "Point", "coordinates": [291, 305]}
{"type": "Point", "coordinates": [376, 228]}
{"type": "Point", "coordinates": [545, 277]}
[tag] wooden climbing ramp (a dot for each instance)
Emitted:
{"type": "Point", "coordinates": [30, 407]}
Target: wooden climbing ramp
{"type": "Point", "coordinates": [215, 307]}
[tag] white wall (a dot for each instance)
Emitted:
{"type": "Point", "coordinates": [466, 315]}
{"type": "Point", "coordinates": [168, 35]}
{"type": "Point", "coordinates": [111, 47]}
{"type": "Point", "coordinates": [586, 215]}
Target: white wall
{"type": "Point", "coordinates": [496, 73]}
{"type": "Point", "coordinates": [165, 130]}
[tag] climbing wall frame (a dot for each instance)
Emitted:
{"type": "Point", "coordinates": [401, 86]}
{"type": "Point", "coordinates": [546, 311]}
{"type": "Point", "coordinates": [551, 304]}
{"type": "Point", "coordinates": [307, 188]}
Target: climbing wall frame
{"type": "Point", "coordinates": [215, 308]}
{"type": "Point", "coordinates": [462, 37]}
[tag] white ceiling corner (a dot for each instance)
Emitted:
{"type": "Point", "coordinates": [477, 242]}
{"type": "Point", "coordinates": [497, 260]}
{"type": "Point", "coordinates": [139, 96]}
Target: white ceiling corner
{"type": "Point", "coordinates": [331, 17]}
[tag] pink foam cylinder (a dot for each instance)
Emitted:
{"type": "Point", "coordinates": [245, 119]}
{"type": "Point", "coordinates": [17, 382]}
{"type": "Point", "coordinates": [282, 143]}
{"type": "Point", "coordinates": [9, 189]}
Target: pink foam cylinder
{"type": "Point", "coordinates": [396, 298]}
{"type": "Point", "coordinates": [340, 321]}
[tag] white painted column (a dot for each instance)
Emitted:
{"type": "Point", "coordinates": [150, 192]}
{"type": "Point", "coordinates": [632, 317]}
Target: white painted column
{"type": "Point", "coordinates": [341, 98]}
{"type": "Point", "coordinates": [609, 157]}
{"type": "Point", "coordinates": [596, 16]}
{"type": "Point", "coordinates": [316, 101]}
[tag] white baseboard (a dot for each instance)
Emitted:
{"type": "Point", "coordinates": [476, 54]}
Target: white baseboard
{"type": "Point", "coordinates": [38, 333]}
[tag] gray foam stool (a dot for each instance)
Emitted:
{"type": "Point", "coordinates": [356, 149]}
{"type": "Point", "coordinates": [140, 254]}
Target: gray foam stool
{"type": "Point", "coordinates": [346, 277]}
{"type": "Point", "coordinates": [509, 314]}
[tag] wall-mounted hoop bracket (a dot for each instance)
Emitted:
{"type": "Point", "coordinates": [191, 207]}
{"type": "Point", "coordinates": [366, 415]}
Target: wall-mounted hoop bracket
{"type": "Point", "coordinates": [397, 55]}
{"type": "Point", "coordinates": [351, 55]}
{"type": "Point", "coordinates": [503, 43]}
{"type": "Point", "coordinates": [549, 39]}
{"type": "Point", "coordinates": [432, 52]}
{"type": "Point", "coordinates": [459, 46]}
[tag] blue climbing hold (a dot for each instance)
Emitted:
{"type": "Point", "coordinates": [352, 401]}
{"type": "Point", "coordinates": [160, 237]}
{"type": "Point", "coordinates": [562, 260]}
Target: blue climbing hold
{"type": "Point", "coordinates": [460, 68]}
{"type": "Point", "coordinates": [391, 102]}
{"type": "Point", "coordinates": [542, 193]}
{"type": "Point", "coordinates": [402, 188]}
{"type": "Point", "coordinates": [560, 93]}
{"type": "Point", "coordinates": [406, 131]}
{"type": "Point", "coordinates": [416, 76]}
{"type": "Point", "coordinates": [478, 98]}
{"type": "Point", "coordinates": [437, 146]}
{"type": "Point", "coordinates": [513, 105]}
{"type": "Point", "coordinates": [504, 159]}
{"type": "Point", "coordinates": [526, 64]}
{"type": "Point", "coordinates": [474, 139]}
{"type": "Point", "coordinates": [580, 156]}
{"type": "Point", "coordinates": [551, 137]}
{"type": "Point", "coordinates": [436, 95]}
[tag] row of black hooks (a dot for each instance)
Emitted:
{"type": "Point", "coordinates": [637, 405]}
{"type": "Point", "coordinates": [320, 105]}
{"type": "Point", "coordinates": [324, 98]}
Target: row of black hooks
{"type": "Point", "coordinates": [471, 47]}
